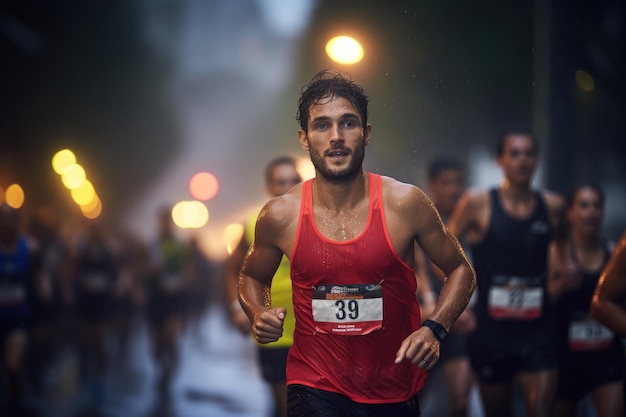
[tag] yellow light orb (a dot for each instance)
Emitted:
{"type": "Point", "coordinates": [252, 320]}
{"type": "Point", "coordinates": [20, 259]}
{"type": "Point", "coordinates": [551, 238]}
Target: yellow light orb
{"type": "Point", "coordinates": [93, 204]}
{"type": "Point", "coordinates": [62, 159]}
{"type": "Point", "coordinates": [92, 211]}
{"type": "Point", "coordinates": [74, 176]}
{"type": "Point", "coordinates": [14, 196]}
{"type": "Point", "coordinates": [84, 194]}
{"type": "Point", "coordinates": [178, 214]}
{"type": "Point", "coordinates": [190, 214]}
{"type": "Point", "coordinates": [344, 50]}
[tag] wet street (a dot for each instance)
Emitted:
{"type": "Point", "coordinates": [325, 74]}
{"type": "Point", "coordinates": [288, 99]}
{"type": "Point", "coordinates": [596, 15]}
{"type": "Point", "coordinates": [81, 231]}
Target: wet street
{"type": "Point", "coordinates": [217, 377]}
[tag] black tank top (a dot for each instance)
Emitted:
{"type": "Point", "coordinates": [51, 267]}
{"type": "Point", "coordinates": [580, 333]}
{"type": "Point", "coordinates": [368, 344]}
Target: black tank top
{"type": "Point", "coordinates": [579, 332]}
{"type": "Point", "coordinates": [510, 262]}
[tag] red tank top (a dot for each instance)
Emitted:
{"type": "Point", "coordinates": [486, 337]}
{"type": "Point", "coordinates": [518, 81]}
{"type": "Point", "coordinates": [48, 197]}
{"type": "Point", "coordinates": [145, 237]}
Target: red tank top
{"type": "Point", "coordinates": [354, 304]}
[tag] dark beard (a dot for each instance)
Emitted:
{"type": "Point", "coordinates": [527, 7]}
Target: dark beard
{"type": "Point", "coordinates": [338, 176]}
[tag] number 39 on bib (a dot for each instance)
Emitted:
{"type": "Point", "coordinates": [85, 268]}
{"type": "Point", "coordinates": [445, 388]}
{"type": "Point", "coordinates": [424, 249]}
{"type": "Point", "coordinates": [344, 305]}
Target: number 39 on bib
{"type": "Point", "coordinates": [348, 310]}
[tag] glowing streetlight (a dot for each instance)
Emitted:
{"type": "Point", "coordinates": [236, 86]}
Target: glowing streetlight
{"type": "Point", "coordinates": [344, 50]}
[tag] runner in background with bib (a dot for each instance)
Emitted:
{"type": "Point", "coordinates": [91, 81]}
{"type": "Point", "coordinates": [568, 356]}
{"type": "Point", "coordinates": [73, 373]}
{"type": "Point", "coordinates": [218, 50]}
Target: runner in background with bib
{"type": "Point", "coordinates": [508, 230]}
{"type": "Point", "coordinates": [281, 175]}
{"type": "Point", "coordinates": [591, 357]}
{"type": "Point", "coordinates": [359, 346]}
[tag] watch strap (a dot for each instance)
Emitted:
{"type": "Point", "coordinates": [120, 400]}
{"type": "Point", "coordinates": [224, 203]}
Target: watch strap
{"type": "Point", "coordinates": [437, 329]}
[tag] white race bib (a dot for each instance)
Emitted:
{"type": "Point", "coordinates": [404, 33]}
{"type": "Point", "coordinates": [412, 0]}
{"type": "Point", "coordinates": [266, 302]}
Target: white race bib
{"type": "Point", "coordinates": [515, 298]}
{"type": "Point", "coordinates": [348, 310]}
{"type": "Point", "coordinates": [587, 334]}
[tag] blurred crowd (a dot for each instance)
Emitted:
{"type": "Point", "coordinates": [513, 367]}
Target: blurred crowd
{"type": "Point", "coordinates": [99, 322]}
{"type": "Point", "coordinates": [94, 322]}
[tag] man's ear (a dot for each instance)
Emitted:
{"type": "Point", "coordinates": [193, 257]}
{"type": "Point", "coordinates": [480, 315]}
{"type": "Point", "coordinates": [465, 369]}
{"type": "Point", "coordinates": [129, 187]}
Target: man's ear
{"type": "Point", "coordinates": [367, 134]}
{"type": "Point", "coordinates": [302, 138]}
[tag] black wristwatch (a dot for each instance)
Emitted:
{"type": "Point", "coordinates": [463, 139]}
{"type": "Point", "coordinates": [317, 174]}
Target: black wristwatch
{"type": "Point", "coordinates": [438, 330]}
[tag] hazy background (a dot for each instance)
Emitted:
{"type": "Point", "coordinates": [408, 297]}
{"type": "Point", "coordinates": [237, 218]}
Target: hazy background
{"type": "Point", "coordinates": [149, 92]}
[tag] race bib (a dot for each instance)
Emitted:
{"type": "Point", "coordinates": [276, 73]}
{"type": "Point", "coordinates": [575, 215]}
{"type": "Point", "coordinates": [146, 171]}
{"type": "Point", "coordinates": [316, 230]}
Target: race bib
{"type": "Point", "coordinates": [587, 334]}
{"type": "Point", "coordinates": [515, 298]}
{"type": "Point", "coordinates": [348, 310]}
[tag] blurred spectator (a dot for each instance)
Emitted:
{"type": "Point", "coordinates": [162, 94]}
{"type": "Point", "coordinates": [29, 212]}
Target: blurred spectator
{"type": "Point", "coordinates": [51, 324]}
{"type": "Point", "coordinates": [19, 280]}
{"type": "Point", "coordinates": [201, 281]}
{"type": "Point", "coordinates": [590, 355]}
{"type": "Point", "coordinates": [169, 293]}
{"type": "Point", "coordinates": [96, 271]}
{"type": "Point", "coordinates": [508, 230]}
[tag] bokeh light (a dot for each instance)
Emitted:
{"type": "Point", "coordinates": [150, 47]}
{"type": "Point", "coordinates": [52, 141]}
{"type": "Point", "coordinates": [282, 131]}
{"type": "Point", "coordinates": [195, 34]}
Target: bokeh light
{"type": "Point", "coordinates": [190, 214]}
{"type": "Point", "coordinates": [62, 159]}
{"type": "Point", "coordinates": [92, 205]}
{"type": "Point", "coordinates": [74, 176]}
{"type": "Point", "coordinates": [232, 235]}
{"type": "Point", "coordinates": [344, 50]}
{"type": "Point", "coordinates": [14, 196]}
{"type": "Point", "coordinates": [305, 168]}
{"type": "Point", "coordinates": [84, 194]}
{"type": "Point", "coordinates": [92, 211]}
{"type": "Point", "coordinates": [203, 186]}
{"type": "Point", "coordinates": [585, 81]}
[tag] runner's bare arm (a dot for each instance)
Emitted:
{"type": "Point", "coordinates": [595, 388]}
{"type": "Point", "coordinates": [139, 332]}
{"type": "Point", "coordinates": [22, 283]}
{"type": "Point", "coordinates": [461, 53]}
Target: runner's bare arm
{"type": "Point", "coordinates": [255, 278]}
{"type": "Point", "coordinates": [230, 279]}
{"type": "Point", "coordinates": [608, 304]}
{"type": "Point", "coordinates": [445, 251]}
{"type": "Point", "coordinates": [422, 347]}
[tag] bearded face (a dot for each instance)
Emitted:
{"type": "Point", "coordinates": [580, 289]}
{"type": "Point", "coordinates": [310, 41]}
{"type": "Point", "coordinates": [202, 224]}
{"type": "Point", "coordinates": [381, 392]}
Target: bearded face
{"type": "Point", "coordinates": [336, 139]}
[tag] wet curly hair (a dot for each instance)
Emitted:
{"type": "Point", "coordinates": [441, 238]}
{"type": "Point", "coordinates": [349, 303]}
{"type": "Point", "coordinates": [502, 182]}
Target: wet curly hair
{"type": "Point", "coordinates": [327, 84]}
